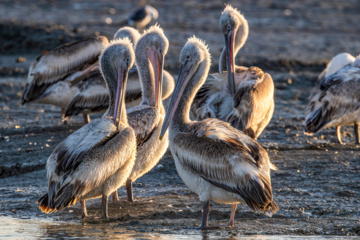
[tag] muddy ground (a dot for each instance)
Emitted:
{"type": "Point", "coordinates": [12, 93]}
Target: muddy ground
{"type": "Point", "coordinates": [317, 186]}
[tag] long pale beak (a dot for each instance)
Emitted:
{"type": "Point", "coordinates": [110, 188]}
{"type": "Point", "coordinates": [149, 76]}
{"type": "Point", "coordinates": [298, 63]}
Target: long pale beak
{"type": "Point", "coordinates": [157, 61]}
{"type": "Point", "coordinates": [122, 75]}
{"type": "Point", "coordinates": [183, 79]}
{"type": "Point", "coordinates": [230, 61]}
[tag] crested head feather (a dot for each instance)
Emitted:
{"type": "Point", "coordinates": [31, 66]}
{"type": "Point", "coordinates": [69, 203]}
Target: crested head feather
{"type": "Point", "coordinates": [154, 29]}
{"type": "Point", "coordinates": [199, 43]}
{"type": "Point", "coordinates": [230, 9]}
{"type": "Point", "coordinates": [120, 41]}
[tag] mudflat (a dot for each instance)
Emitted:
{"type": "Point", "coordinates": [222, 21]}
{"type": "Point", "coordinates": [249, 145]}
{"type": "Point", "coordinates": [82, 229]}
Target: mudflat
{"type": "Point", "coordinates": [317, 186]}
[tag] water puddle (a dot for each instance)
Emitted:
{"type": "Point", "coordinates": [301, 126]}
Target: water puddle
{"type": "Point", "coordinates": [12, 228]}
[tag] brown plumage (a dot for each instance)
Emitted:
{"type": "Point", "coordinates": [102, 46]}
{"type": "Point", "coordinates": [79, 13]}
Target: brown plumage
{"type": "Point", "coordinates": [242, 96]}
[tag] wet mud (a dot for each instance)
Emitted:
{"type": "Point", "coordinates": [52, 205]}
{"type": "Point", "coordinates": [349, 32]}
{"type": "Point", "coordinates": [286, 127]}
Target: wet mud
{"type": "Point", "coordinates": [317, 186]}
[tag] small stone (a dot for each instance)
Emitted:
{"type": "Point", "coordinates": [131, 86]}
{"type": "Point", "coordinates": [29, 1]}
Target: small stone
{"type": "Point", "coordinates": [20, 59]}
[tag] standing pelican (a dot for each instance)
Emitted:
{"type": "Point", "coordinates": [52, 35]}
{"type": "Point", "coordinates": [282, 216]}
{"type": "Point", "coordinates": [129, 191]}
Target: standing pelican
{"type": "Point", "coordinates": [93, 95]}
{"type": "Point", "coordinates": [51, 76]}
{"type": "Point", "coordinates": [241, 96]}
{"type": "Point", "coordinates": [215, 160]}
{"type": "Point", "coordinates": [96, 159]}
{"type": "Point", "coordinates": [336, 102]}
{"type": "Point", "coordinates": [147, 118]}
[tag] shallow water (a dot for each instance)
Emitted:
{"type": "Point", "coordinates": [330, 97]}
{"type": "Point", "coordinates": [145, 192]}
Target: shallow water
{"type": "Point", "coordinates": [12, 228]}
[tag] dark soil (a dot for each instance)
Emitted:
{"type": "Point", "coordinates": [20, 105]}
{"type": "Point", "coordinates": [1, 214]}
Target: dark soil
{"type": "Point", "coordinates": [317, 186]}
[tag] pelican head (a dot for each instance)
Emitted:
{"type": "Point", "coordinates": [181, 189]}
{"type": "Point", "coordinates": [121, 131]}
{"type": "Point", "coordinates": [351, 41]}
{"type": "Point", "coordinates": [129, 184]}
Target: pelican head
{"type": "Point", "coordinates": [151, 49]}
{"type": "Point", "coordinates": [235, 29]}
{"type": "Point", "coordinates": [195, 64]}
{"type": "Point", "coordinates": [115, 61]}
{"type": "Point", "coordinates": [128, 32]}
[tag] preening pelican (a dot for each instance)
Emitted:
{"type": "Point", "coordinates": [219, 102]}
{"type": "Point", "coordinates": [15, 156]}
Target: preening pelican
{"type": "Point", "coordinates": [52, 76]}
{"type": "Point", "coordinates": [96, 159]}
{"type": "Point", "coordinates": [242, 96]}
{"type": "Point", "coordinates": [215, 160]}
{"type": "Point", "coordinates": [336, 102]}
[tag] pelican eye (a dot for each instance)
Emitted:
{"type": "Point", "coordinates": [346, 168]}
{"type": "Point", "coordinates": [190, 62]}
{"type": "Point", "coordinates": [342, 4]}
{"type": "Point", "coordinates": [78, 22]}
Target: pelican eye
{"type": "Point", "coordinates": [229, 26]}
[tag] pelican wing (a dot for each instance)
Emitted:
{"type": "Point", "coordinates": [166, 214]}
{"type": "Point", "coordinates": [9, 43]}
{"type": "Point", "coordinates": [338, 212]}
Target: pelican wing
{"type": "Point", "coordinates": [347, 73]}
{"type": "Point", "coordinates": [61, 62]}
{"type": "Point", "coordinates": [144, 121]}
{"type": "Point", "coordinates": [227, 159]}
{"type": "Point", "coordinates": [208, 96]}
{"type": "Point", "coordinates": [69, 153]}
{"type": "Point", "coordinates": [91, 161]}
{"type": "Point", "coordinates": [251, 100]}
{"type": "Point", "coordinates": [337, 101]}
{"type": "Point", "coordinates": [92, 96]}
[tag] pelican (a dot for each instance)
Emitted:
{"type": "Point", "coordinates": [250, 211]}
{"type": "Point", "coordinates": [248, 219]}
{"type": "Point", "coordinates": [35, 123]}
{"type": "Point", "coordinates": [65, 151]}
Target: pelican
{"type": "Point", "coordinates": [96, 159]}
{"type": "Point", "coordinates": [215, 160]}
{"type": "Point", "coordinates": [142, 16]}
{"type": "Point", "coordinates": [242, 96]}
{"type": "Point", "coordinates": [52, 76]}
{"type": "Point", "coordinates": [93, 96]}
{"type": "Point", "coordinates": [147, 118]}
{"type": "Point", "coordinates": [336, 102]}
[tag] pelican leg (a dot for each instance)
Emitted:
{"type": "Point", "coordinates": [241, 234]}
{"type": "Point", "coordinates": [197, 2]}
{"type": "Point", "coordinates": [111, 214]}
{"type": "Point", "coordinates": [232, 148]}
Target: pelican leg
{"type": "Point", "coordinates": [104, 203]}
{"type": "Point", "coordinates": [338, 134]}
{"type": "Point", "coordinates": [129, 190]}
{"type": "Point", "coordinates": [83, 209]}
{"type": "Point", "coordinates": [63, 116]}
{"type": "Point", "coordinates": [205, 216]}
{"type": "Point", "coordinates": [232, 215]}
{"type": "Point", "coordinates": [115, 196]}
{"type": "Point", "coordinates": [231, 221]}
{"type": "Point", "coordinates": [86, 118]}
{"type": "Point", "coordinates": [356, 130]}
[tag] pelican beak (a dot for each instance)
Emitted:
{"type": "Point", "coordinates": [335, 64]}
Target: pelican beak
{"type": "Point", "coordinates": [122, 75]}
{"type": "Point", "coordinates": [230, 61]}
{"type": "Point", "coordinates": [157, 61]}
{"type": "Point", "coordinates": [186, 72]}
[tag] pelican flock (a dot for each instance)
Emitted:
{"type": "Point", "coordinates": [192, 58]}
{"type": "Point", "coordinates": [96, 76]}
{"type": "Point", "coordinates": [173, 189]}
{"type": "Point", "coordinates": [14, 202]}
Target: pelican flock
{"type": "Point", "coordinates": [93, 96]}
{"type": "Point", "coordinates": [242, 96]}
{"type": "Point", "coordinates": [96, 159]}
{"type": "Point", "coordinates": [216, 153]}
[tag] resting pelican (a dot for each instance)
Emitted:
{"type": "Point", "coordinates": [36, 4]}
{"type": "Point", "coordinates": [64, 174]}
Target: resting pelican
{"type": "Point", "coordinates": [142, 16]}
{"type": "Point", "coordinates": [93, 95]}
{"type": "Point", "coordinates": [51, 76]}
{"type": "Point", "coordinates": [336, 102]}
{"type": "Point", "coordinates": [242, 96]}
{"type": "Point", "coordinates": [96, 159]}
{"type": "Point", "coordinates": [147, 118]}
{"type": "Point", "coordinates": [215, 160]}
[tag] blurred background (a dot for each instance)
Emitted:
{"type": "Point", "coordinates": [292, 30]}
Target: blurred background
{"type": "Point", "coordinates": [293, 33]}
